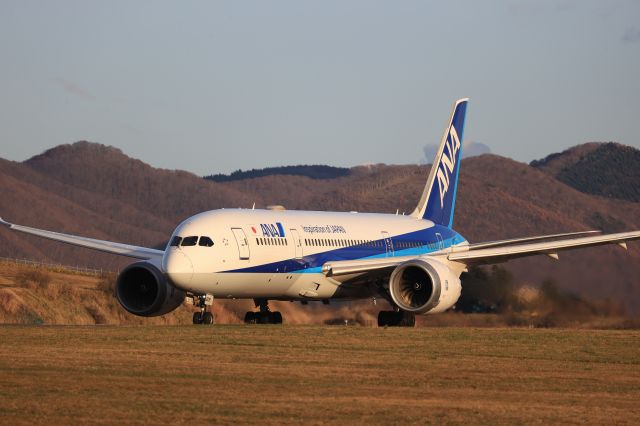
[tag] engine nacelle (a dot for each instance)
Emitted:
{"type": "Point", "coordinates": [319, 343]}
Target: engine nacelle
{"type": "Point", "coordinates": [424, 286]}
{"type": "Point", "coordinates": [143, 290]}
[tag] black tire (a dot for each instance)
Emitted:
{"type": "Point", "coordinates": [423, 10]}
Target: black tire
{"type": "Point", "coordinates": [276, 318]}
{"type": "Point", "coordinates": [207, 318]}
{"type": "Point", "coordinates": [263, 317]}
{"type": "Point", "coordinates": [383, 318]}
{"type": "Point", "coordinates": [250, 318]}
{"type": "Point", "coordinates": [197, 317]}
{"type": "Point", "coordinates": [408, 320]}
{"type": "Point", "coordinates": [395, 318]}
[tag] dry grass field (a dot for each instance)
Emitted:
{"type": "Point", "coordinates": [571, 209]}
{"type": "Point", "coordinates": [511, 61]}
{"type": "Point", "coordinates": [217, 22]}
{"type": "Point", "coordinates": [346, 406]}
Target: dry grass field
{"type": "Point", "coordinates": [316, 375]}
{"type": "Point", "coordinates": [57, 296]}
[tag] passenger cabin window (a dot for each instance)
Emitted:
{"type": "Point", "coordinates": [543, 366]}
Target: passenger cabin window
{"type": "Point", "coordinates": [189, 241]}
{"type": "Point", "coordinates": [205, 242]}
{"type": "Point", "coordinates": [175, 242]}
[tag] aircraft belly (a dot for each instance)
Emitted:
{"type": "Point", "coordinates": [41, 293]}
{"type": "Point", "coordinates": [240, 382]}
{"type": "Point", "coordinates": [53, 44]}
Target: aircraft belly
{"type": "Point", "coordinates": [271, 285]}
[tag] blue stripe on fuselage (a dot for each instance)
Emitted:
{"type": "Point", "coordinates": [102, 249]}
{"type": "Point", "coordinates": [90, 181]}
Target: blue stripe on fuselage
{"type": "Point", "coordinates": [313, 263]}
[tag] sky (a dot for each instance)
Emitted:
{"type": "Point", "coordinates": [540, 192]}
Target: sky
{"type": "Point", "coordinates": [216, 86]}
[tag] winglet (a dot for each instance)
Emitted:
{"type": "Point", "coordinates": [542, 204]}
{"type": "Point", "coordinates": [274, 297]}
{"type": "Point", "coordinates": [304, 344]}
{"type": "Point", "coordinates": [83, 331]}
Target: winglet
{"type": "Point", "coordinates": [5, 223]}
{"type": "Point", "coordinates": [439, 196]}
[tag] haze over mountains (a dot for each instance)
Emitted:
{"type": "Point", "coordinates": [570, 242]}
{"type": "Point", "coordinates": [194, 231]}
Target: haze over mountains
{"type": "Point", "coordinates": [97, 191]}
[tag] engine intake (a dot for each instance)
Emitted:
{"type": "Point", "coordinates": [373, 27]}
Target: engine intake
{"type": "Point", "coordinates": [422, 286]}
{"type": "Point", "coordinates": [143, 290]}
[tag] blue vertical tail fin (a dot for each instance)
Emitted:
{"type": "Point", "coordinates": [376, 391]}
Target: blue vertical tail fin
{"type": "Point", "coordinates": [439, 196]}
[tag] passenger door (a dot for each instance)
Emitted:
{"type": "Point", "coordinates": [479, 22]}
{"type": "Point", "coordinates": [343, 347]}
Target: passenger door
{"type": "Point", "coordinates": [388, 245]}
{"type": "Point", "coordinates": [440, 241]}
{"type": "Point", "coordinates": [242, 242]}
{"type": "Point", "coordinates": [296, 242]}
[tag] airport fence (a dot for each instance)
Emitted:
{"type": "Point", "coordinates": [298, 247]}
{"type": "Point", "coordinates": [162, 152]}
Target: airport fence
{"type": "Point", "coordinates": [59, 267]}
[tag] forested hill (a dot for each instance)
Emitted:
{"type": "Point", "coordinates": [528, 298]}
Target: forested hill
{"type": "Point", "coordinates": [313, 172]}
{"type": "Point", "coordinates": [609, 169]}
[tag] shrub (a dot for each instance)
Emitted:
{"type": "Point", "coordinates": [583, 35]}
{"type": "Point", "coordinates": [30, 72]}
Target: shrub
{"type": "Point", "coordinates": [107, 283]}
{"type": "Point", "coordinates": [30, 277]}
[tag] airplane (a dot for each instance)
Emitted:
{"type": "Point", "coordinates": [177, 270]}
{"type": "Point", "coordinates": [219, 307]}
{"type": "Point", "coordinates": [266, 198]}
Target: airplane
{"type": "Point", "coordinates": [412, 261]}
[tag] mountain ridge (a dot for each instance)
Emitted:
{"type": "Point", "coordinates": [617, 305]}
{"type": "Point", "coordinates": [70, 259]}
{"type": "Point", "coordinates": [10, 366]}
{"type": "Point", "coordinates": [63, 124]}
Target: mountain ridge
{"type": "Point", "coordinates": [98, 191]}
{"type": "Point", "coordinates": [315, 171]}
{"type": "Point", "coordinates": [605, 169]}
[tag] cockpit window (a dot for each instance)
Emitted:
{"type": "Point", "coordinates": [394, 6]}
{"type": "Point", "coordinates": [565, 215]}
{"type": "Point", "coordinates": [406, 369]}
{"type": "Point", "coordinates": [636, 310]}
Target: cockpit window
{"type": "Point", "coordinates": [205, 242]}
{"type": "Point", "coordinates": [189, 241]}
{"type": "Point", "coordinates": [175, 242]}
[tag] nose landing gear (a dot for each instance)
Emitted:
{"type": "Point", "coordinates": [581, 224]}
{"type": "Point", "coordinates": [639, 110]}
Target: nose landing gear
{"type": "Point", "coordinates": [204, 316]}
{"type": "Point", "coordinates": [265, 316]}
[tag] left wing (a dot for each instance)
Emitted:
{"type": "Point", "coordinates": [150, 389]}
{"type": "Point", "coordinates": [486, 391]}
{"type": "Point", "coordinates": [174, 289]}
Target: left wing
{"type": "Point", "coordinates": [476, 246]}
{"type": "Point", "coordinates": [549, 248]}
{"type": "Point", "coordinates": [100, 245]}
{"type": "Point", "coordinates": [486, 253]}
{"type": "Point", "coordinates": [345, 267]}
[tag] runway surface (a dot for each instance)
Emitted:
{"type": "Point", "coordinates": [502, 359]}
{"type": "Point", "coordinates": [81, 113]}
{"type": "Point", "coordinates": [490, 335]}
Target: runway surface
{"type": "Point", "coordinates": [316, 375]}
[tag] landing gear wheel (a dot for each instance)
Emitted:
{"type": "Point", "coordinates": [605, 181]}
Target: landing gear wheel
{"type": "Point", "coordinates": [276, 317]}
{"type": "Point", "coordinates": [396, 319]}
{"type": "Point", "coordinates": [207, 318]}
{"type": "Point", "coordinates": [383, 319]}
{"type": "Point", "coordinates": [250, 317]}
{"type": "Point", "coordinates": [265, 316]}
{"type": "Point", "coordinates": [202, 316]}
{"type": "Point", "coordinates": [389, 319]}
{"type": "Point", "coordinates": [408, 320]}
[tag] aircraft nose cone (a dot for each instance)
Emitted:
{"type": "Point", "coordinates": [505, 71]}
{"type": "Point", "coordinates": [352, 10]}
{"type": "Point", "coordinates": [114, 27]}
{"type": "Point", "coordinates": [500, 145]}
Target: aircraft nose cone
{"type": "Point", "coordinates": [178, 267]}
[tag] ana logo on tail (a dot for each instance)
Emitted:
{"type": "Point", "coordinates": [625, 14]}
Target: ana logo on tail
{"type": "Point", "coordinates": [447, 163]}
{"type": "Point", "coordinates": [438, 198]}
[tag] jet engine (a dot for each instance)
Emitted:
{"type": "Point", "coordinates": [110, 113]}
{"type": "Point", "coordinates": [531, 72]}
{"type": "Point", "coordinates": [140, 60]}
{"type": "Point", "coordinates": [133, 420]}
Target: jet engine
{"type": "Point", "coordinates": [143, 290]}
{"type": "Point", "coordinates": [424, 286]}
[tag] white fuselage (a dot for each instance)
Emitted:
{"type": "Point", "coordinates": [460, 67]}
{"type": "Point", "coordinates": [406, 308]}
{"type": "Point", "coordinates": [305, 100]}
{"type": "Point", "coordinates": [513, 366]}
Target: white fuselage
{"type": "Point", "coordinates": [279, 254]}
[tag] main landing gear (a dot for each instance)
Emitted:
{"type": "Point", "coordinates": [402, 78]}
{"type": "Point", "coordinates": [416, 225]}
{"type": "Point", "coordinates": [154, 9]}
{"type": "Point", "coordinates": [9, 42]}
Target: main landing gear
{"type": "Point", "coordinates": [265, 316]}
{"type": "Point", "coordinates": [396, 318]}
{"type": "Point", "coordinates": [204, 316]}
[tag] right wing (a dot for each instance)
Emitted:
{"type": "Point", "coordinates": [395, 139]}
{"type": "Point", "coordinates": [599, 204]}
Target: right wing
{"type": "Point", "coordinates": [100, 245]}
